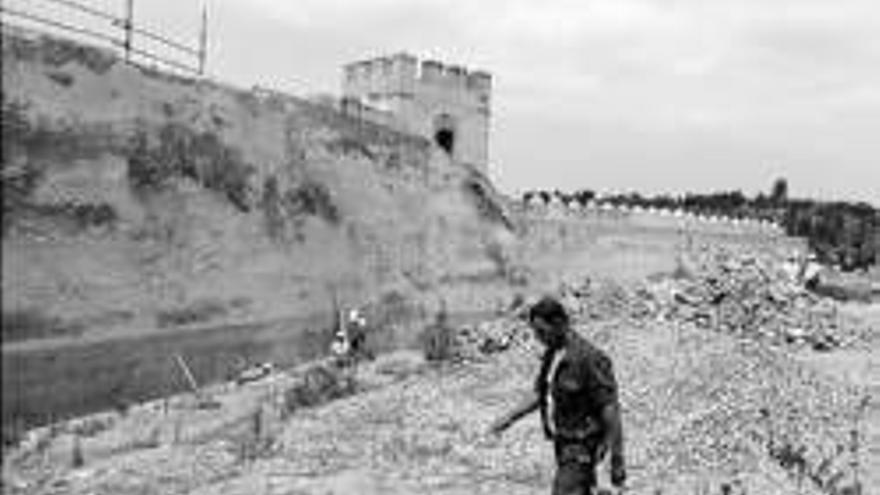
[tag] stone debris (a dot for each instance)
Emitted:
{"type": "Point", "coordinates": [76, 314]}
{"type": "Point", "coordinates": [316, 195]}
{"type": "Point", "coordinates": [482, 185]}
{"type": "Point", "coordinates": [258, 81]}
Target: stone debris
{"type": "Point", "coordinates": [475, 342]}
{"type": "Point", "coordinates": [735, 293]}
{"type": "Point", "coordinates": [747, 295]}
{"type": "Point", "coordinates": [255, 372]}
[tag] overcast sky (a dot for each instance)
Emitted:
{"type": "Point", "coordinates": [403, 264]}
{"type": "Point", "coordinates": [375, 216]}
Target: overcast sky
{"type": "Point", "coordinates": [647, 95]}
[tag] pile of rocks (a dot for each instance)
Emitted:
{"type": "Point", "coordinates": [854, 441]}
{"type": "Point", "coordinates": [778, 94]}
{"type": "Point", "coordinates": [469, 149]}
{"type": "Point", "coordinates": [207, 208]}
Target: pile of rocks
{"type": "Point", "coordinates": [736, 292]}
{"type": "Point", "coordinates": [748, 295]}
{"type": "Point", "coordinates": [603, 300]}
{"type": "Point", "coordinates": [474, 342]}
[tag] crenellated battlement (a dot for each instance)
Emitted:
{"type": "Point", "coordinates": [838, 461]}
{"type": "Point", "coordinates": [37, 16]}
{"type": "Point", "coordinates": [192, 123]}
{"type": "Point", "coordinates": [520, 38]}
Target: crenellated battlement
{"type": "Point", "coordinates": [402, 74]}
{"type": "Point", "coordinates": [447, 103]}
{"type": "Point", "coordinates": [454, 76]}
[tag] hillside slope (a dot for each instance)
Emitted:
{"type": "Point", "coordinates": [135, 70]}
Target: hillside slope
{"type": "Point", "coordinates": [135, 199]}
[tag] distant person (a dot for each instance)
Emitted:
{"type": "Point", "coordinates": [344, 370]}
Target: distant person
{"type": "Point", "coordinates": [350, 340]}
{"type": "Point", "coordinates": [576, 393]}
{"type": "Point", "coordinates": [357, 330]}
{"type": "Point", "coordinates": [810, 272]}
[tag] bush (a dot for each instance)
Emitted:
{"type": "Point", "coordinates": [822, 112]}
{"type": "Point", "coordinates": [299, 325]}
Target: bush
{"type": "Point", "coordinates": [438, 343]}
{"type": "Point", "coordinates": [321, 383]}
{"type": "Point", "coordinates": [200, 311]}
{"type": "Point", "coordinates": [13, 431]}
{"type": "Point", "coordinates": [438, 339]}
{"type": "Point", "coordinates": [33, 323]}
{"type": "Point", "coordinates": [487, 206]}
{"type": "Point", "coordinates": [92, 427]}
{"type": "Point", "coordinates": [82, 216]}
{"type": "Point", "coordinates": [351, 145]}
{"type": "Point", "coordinates": [311, 198]}
{"type": "Point", "coordinates": [291, 207]}
{"type": "Point", "coordinates": [271, 204]}
{"type": "Point", "coordinates": [181, 152]}
{"type": "Point", "coordinates": [18, 182]}
{"type": "Point", "coordinates": [391, 309]}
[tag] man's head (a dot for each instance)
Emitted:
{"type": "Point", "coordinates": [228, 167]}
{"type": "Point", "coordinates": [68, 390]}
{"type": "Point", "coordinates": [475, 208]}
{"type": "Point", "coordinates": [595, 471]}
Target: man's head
{"type": "Point", "coordinates": [549, 320]}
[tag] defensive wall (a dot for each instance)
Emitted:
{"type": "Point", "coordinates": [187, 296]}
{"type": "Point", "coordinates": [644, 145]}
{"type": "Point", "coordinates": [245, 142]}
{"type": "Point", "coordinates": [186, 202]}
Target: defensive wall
{"type": "Point", "coordinates": [572, 227]}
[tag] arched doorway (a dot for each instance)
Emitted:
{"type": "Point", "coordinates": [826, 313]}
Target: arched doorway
{"type": "Point", "coordinates": [445, 138]}
{"type": "Point", "coordinates": [444, 133]}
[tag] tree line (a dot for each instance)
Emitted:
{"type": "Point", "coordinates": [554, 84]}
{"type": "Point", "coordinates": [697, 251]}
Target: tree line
{"type": "Point", "coordinates": [838, 232]}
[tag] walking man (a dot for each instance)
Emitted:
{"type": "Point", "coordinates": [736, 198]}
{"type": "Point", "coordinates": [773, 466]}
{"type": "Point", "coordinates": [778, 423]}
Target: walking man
{"type": "Point", "coordinates": [576, 393]}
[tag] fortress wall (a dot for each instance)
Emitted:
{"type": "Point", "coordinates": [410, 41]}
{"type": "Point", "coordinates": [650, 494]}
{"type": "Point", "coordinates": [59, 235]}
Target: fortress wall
{"type": "Point", "coordinates": [395, 75]}
{"type": "Point", "coordinates": [356, 109]}
{"type": "Point", "coordinates": [554, 228]}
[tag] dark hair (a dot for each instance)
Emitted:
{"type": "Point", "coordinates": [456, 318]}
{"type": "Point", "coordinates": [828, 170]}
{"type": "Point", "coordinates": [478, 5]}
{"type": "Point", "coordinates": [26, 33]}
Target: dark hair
{"type": "Point", "coordinates": [550, 310]}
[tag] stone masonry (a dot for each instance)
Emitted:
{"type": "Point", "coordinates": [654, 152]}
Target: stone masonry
{"type": "Point", "coordinates": [448, 104]}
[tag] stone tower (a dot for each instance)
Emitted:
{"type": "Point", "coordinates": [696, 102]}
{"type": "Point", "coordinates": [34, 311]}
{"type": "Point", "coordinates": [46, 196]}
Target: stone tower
{"type": "Point", "coordinates": [445, 103]}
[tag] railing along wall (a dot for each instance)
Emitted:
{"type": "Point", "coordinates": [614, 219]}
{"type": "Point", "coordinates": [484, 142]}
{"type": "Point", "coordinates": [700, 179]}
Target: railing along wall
{"type": "Point", "coordinates": [119, 32]}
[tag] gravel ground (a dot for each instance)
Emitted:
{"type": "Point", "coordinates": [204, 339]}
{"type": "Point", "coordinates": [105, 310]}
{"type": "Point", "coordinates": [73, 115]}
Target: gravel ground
{"type": "Point", "coordinates": [702, 408]}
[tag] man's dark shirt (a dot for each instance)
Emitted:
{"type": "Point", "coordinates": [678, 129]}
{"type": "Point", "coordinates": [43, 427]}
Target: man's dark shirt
{"type": "Point", "coordinates": [583, 385]}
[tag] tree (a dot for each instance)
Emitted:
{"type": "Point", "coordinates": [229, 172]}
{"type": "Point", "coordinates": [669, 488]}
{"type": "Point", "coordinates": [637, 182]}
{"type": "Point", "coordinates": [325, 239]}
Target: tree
{"type": "Point", "coordinates": [584, 196]}
{"type": "Point", "coordinates": [780, 191]}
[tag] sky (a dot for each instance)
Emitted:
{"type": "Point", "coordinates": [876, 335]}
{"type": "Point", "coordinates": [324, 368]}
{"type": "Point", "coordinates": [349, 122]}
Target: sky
{"type": "Point", "coordinates": [655, 96]}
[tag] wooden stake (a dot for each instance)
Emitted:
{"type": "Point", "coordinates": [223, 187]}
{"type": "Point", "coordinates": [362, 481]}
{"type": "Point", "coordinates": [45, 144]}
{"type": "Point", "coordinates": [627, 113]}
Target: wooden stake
{"type": "Point", "coordinates": [77, 459]}
{"type": "Point", "coordinates": [194, 386]}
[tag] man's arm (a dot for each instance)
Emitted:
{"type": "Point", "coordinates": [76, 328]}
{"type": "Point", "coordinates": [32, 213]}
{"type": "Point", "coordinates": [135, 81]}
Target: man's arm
{"type": "Point", "coordinates": [528, 405]}
{"type": "Point", "coordinates": [614, 441]}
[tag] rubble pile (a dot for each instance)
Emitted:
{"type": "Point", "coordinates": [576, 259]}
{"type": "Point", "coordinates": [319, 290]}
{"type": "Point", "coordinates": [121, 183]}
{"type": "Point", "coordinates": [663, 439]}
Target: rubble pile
{"type": "Point", "coordinates": [607, 299]}
{"type": "Point", "coordinates": [737, 293]}
{"type": "Point", "coordinates": [748, 295]}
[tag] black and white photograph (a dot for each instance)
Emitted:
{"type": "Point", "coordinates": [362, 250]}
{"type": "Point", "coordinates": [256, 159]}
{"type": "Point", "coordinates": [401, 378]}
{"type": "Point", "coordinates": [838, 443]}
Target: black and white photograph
{"type": "Point", "coordinates": [441, 247]}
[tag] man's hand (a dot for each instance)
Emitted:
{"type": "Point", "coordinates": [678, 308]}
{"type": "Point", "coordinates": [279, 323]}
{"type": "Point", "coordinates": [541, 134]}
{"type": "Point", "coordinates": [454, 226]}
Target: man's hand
{"type": "Point", "coordinates": [499, 426]}
{"type": "Point", "coordinates": [618, 472]}
{"type": "Point", "coordinates": [529, 404]}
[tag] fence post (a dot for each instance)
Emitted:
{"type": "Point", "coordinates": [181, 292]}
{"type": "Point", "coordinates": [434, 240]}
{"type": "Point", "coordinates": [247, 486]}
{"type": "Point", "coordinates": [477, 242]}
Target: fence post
{"type": "Point", "coordinates": [128, 25]}
{"type": "Point", "coordinates": [203, 39]}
